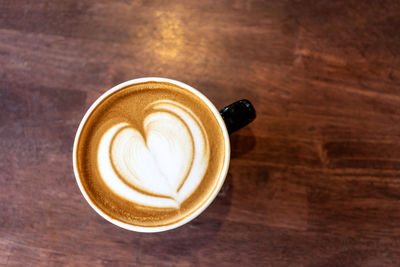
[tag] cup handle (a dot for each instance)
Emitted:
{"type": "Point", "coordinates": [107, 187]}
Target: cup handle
{"type": "Point", "coordinates": [238, 114]}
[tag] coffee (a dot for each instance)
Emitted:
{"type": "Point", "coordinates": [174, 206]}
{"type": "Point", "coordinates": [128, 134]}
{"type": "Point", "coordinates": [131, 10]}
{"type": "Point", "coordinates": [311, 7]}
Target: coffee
{"type": "Point", "coordinates": [151, 154]}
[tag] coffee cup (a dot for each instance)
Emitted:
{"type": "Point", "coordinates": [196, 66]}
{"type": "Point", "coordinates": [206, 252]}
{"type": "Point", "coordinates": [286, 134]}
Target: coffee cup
{"type": "Point", "coordinates": [151, 154]}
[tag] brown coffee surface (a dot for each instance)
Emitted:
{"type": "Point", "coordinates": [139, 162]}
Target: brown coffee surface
{"type": "Point", "coordinates": [129, 105]}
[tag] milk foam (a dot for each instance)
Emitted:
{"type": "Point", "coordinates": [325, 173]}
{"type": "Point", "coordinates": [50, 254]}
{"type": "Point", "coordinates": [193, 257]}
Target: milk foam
{"type": "Point", "coordinates": [163, 167]}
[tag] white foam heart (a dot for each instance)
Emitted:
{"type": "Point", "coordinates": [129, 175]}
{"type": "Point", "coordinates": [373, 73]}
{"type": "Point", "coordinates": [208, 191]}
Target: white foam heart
{"type": "Point", "coordinates": [161, 168]}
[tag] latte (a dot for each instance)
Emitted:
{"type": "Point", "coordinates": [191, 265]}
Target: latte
{"type": "Point", "coordinates": [151, 154]}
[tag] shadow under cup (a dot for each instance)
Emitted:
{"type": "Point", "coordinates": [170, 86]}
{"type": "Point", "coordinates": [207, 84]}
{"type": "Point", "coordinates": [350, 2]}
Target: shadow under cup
{"type": "Point", "coordinates": [152, 153]}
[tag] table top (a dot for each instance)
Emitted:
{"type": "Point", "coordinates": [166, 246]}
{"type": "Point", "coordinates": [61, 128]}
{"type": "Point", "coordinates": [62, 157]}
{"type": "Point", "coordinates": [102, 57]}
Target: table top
{"type": "Point", "coordinates": [313, 181]}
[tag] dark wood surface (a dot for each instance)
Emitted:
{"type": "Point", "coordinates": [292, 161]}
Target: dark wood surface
{"type": "Point", "coordinates": [315, 179]}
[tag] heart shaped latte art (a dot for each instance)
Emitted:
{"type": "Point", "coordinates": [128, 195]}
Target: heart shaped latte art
{"type": "Point", "coordinates": [161, 168]}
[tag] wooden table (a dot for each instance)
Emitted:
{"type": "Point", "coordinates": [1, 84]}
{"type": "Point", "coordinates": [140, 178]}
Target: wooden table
{"type": "Point", "coordinates": [314, 181]}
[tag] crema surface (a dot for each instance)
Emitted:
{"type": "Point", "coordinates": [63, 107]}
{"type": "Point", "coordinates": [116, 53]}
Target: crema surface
{"type": "Point", "coordinates": [150, 154]}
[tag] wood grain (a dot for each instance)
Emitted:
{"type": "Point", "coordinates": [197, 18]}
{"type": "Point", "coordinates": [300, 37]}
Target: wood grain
{"type": "Point", "coordinates": [314, 181]}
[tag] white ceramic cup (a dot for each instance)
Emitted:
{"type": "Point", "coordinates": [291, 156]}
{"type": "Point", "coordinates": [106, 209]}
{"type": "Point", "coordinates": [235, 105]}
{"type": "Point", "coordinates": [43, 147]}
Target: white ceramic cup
{"type": "Point", "coordinates": [213, 192]}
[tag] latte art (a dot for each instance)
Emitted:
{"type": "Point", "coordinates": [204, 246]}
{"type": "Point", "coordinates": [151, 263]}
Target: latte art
{"type": "Point", "coordinates": [164, 166]}
{"type": "Point", "coordinates": [151, 154]}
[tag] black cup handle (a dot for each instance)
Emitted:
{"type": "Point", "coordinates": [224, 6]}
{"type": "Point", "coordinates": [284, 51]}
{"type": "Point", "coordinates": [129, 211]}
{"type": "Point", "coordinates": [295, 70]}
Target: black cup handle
{"type": "Point", "coordinates": [238, 114]}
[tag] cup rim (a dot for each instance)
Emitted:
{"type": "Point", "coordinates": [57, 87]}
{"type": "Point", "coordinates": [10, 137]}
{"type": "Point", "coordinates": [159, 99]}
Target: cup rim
{"type": "Point", "coordinates": [224, 171]}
